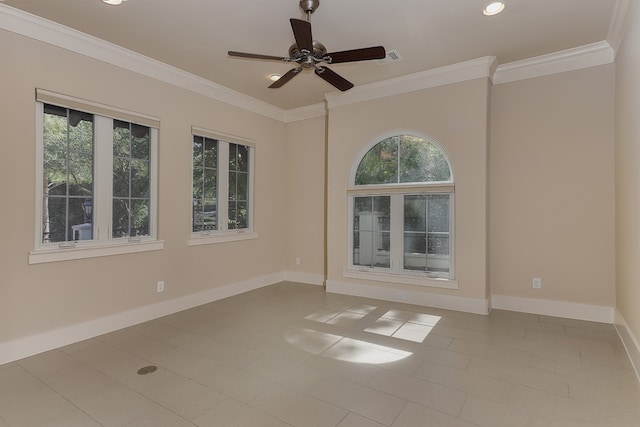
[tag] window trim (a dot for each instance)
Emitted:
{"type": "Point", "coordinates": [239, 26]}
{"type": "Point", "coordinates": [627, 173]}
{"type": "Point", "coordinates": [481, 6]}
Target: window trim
{"type": "Point", "coordinates": [221, 236]}
{"type": "Point", "coordinates": [396, 273]}
{"type": "Point", "coordinates": [64, 251]}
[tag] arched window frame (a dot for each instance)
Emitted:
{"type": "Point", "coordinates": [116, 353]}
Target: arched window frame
{"type": "Point", "coordinates": [395, 272]}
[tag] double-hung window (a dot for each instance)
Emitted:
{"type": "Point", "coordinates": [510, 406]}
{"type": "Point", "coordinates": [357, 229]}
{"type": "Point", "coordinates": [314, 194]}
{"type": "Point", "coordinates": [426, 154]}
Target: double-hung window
{"type": "Point", "coordinates": [96, 180]}
{"type": "Point", "coordinates": [401, 213]}
{"type": "Point", "coordinates": [222, 188]}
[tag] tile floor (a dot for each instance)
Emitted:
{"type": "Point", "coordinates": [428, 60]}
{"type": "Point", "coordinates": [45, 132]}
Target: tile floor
{"type": "Point", "coordinates": [292, 355]}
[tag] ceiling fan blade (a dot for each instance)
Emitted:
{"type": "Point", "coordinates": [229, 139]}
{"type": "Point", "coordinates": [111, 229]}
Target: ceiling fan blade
{"type": "Point", "coordinates": [334, 78]}
{"type": "Point", "coordinates": [302, 33]}
{"type": "Point", "coordinates": [256, 56]}
{"type": "Point", "coordinates": [364, 54]}
{"type": "Point", "coordinates": [285, 78]}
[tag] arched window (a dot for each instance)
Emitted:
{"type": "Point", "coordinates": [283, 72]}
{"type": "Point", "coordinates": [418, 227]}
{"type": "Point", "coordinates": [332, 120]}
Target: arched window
{"type": "Point", "coordinates": [401, 210]}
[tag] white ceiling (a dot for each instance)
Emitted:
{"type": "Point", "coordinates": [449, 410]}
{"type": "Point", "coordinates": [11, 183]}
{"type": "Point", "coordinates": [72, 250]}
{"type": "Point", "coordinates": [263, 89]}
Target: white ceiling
{"type": "Point", "coordinates": [195, 35]}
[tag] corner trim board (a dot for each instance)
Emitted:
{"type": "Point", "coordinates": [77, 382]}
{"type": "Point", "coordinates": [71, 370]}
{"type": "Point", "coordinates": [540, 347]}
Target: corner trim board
{"type": "Point", "coordinates": [629, 341]}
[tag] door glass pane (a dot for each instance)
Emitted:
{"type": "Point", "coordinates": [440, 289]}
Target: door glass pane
{"type": "Point", "coordinates": [371, 241]}
{"type": "Point", "coordinates": [415, 251]}
{"type": "Point", "coordinates": [415, 213]}
{"type": "Point", "coordinates": [427, 233]}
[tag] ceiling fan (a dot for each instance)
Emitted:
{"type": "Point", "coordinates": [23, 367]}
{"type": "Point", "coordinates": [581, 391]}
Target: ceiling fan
{"type": "Point", "coordinates": [308, 53]}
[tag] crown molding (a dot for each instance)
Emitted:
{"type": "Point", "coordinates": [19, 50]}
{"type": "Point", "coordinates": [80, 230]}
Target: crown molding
{"type": "Point", "coordinates": [455, 73]}
{"type": "Point", "coordinates": [303, 113]}
{"type": "Point", "coordinates": [34, 27]}
{"type": "Point", "coordinates": [617, 26]}
{"type": "Point", "coordinates": [586, 56]}
{"type": "Point", "coordinates": [600, 53]}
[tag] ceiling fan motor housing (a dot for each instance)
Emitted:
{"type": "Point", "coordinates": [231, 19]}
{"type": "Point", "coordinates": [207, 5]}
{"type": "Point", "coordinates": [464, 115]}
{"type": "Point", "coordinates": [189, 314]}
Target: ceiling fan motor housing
{"type": "Point", "coordinates": [308, 60]}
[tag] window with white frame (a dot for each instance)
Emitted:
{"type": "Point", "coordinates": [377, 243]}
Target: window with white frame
{"type": "Point", "coordinates": [401, 212]}
{"type": "Point", "coordinates": [96, 180]}
{"type": "Point", "coordinates": [222, 190]}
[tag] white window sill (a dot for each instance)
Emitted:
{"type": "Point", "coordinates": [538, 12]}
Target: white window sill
{"type": "Point", "coordinates": [404, 279]}
{"type": "Point", "coordinates": [93, 250]}
{"type": "Point", "coordinates": [215, 237]}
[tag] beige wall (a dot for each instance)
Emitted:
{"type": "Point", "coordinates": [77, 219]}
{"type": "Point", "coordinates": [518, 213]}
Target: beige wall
{"type": "Point", "coordinates": [628, 175]}
{"type": "Point", "coordinates": [456, 116]}
{"type": "Point", "coordinates": [305, 160]}
{"type": "Point", "coordinates": [38, 298]}
{"type": "Point", "coordinates": [552, 187]}
{"type": "Point", "coordinates": [547, 212]}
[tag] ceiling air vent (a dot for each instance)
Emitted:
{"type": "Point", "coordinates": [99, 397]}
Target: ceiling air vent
{"type": "Point", "coordinates": [392, 56]}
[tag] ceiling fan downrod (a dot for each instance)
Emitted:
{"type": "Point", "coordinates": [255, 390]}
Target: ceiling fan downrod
{"type": "Point", "coordinates": [308, 7]}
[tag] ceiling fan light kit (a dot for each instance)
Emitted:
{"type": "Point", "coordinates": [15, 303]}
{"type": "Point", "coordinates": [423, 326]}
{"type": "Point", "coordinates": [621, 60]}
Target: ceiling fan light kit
{"type": "Point", "coordinates": [308, 53]}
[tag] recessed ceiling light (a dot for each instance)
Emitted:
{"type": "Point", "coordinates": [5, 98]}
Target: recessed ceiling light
{"type": "Point", "coordinates": [113, 2]}
{"type": "Point", "coordinates": [493, 8]}
{"type": "Point", "coordinates": [274, 77]}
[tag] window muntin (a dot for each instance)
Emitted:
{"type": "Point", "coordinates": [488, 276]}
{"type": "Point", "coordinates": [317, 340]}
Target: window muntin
{"type": "Point", "coordinates": [238, 186]}
{"type": "Point", "coordinates": [221, 189]}
{"type": "Point", "coordinates": [412, 234]}
{"type": "Point", "coordinates": [403, 159]}
{"type": "Point", "coordinates": [67, 179]}
{"type": "Point", "coordinates": [427, 232]}
{"type": "Point", "coordinates": [131, 179]}
{"type": "Point", "coordinates": [205, 184]}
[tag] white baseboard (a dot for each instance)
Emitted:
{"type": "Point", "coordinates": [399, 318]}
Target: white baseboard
{"type": "Point", "coordinates": [568, 310]}
{"type": "Point", "coordinates": [28, 346]}
{"type": "Point", "coordinates": [427, 299]}
{"type": "Point", "coordinates": [308, 278]}
{"type": "Point", "coordinates": [630, 342]}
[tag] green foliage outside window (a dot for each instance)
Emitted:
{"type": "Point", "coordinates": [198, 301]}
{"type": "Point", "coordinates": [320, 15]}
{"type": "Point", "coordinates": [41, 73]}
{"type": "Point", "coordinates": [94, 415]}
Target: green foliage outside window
{"type": "Point", "coordinates": [403, 159]}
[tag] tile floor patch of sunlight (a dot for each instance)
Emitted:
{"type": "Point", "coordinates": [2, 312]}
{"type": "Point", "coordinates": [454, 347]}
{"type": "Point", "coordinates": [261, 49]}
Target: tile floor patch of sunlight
{"type": "Point", "coordinates": [404, 325]}
{"type": "Point", "coordinates": [343, 348]}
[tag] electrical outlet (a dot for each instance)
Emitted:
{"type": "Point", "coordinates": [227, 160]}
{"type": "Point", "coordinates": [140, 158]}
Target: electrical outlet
{"type": "Point", "coordinates": [160, 286]}
{"type": "Point", "coordinates": [537, 283]}
{"type": "Point", "coordinates": [298, 261]}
